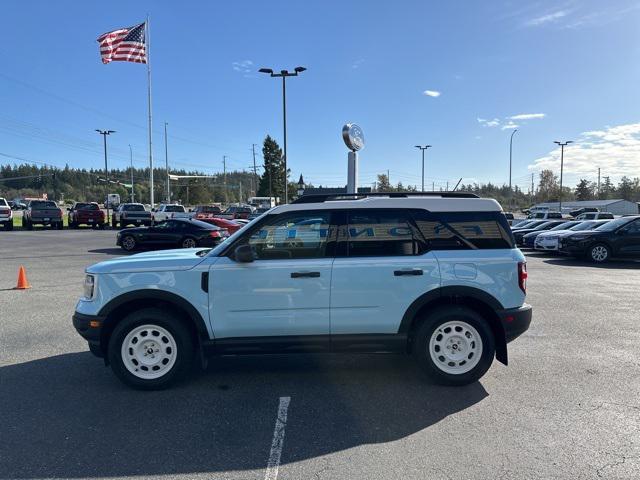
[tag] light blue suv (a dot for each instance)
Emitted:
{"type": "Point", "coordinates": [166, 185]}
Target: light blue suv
{"type": "Point", "coordinates": [436, 276]}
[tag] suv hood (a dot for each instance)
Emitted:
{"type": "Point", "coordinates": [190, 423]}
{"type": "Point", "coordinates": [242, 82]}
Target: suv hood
{"type": "Point", "coordinates": [163, 261]}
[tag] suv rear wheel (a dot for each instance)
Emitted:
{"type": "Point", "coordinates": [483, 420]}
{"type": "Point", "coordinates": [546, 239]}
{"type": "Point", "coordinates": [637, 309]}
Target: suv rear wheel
{"type": "Point", "coordinates": [454, 346]}
{"type": "Point", "coordinates": [150, 349]}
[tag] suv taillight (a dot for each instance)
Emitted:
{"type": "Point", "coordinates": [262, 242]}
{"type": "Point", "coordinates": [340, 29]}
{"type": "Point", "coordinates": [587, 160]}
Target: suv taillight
{"type": "Point", "coordinates": [522, 276]}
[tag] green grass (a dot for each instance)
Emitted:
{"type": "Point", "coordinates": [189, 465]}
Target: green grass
{"type": "Point", "coordinates": [17, 222]}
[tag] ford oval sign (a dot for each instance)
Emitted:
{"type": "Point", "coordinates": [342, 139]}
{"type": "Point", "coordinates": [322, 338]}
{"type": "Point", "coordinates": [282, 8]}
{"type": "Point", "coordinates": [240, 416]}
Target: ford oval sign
{"type": "Point", "coordinates": [353, 137]}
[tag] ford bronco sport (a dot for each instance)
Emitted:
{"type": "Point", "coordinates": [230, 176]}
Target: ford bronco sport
{"type": "Point", "coordinates": [436, 276]}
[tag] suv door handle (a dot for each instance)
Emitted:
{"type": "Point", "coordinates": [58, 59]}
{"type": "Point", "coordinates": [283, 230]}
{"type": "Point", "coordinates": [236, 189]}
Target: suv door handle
{"type": "Point", "coordinates": [305, 274]}
{"type": "Point", "coordinates": [415, 271]}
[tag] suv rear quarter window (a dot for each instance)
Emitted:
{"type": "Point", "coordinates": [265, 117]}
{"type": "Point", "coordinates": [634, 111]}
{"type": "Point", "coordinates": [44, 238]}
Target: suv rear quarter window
{"type": "Point", "coordinates": [464, 230]}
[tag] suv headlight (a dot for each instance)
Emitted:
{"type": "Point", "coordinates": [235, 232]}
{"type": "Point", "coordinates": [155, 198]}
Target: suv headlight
{"type": "Point", "coordinates": [89, 286]}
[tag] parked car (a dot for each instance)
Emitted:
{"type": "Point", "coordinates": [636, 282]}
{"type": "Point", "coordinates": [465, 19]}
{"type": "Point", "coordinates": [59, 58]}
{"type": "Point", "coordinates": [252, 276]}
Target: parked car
{"type": "Point", "coordinates": [83, 213]}
{"type": "Point", "coordinates": [595, 216]}
{"type": "Point", "coordinates": [42, 212]}
{"type": "Point", "coordinates": [112, 200]}
{"type": "Point", "coordinates": [616, 238]}
{"type": "Point", "coordinates": [548, 241]}
{"type": "Point", "coordinates": [130, 214]}
{"type": "Point", "coordinates": [17, 205]}
{"type": "Point", "coordinates": [528, 240]}
{"type": "Point", "coordinates": [231, 225]}
{"type": "Point", "coordinates": [233, 213]}
{"type": "Point", "coordinates": [528, 224]}
{"type": "Point", "coordinates": [578, 211]}
{"type": "Point", "coordinates": [545, 215]}
{"type": "Point", "coordinates": [174, 233]}
{"type": "Point", "coordinates": [437, 276]}
{"type": "Point", "coordinates": [166, 211]}
{"type": "Point", "coordinates": [545, 225]}
{"type": "Point", "coordinates": [6, 215]}
{"type": "Point", "coordinates": [205, 212]}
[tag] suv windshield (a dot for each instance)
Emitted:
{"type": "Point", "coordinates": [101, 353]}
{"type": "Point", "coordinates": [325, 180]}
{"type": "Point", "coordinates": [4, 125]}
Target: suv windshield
{"type": "Point", "coordinates": [41, 205]}
{"type": "Point", "coordinates": [133, 208]}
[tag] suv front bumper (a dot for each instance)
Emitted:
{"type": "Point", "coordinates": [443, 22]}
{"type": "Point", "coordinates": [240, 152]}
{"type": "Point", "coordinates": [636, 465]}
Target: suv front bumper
{"type": "Point", "coordinates": [515, 321]}
{"type": "Point", "coordinates": [90, 328]}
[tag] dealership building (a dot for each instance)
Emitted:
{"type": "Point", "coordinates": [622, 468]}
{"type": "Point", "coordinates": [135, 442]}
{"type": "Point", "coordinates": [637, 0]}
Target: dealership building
{"type": "Point", "coordinates": [615, 206]}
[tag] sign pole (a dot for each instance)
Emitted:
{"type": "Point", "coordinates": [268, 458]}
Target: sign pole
{"type": "Point", "coordinates": [148, 46]}
{"type": "Point", "coordinates": [354, 140]}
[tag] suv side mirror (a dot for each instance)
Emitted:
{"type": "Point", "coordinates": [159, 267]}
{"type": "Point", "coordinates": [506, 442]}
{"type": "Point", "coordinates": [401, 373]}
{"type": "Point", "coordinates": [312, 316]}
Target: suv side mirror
{"type": "Point", "coordinates": [243, 253]}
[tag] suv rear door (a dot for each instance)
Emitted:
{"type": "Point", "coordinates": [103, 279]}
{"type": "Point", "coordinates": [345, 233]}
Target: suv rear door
{"type": "Point", "coordinates": [285, 291]}
{"type": "Point", "coordinates": [380, 269]}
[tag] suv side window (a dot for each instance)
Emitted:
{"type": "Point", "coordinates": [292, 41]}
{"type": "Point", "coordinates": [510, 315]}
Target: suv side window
{"type": "Point", "coordinates": [464, 230]}
{"type": "Point", "coordinates": [293, 236]}
{"type": "Point", "coordinates": [381, 233]}
{"type": "Point", "coordinates": [632, 228]}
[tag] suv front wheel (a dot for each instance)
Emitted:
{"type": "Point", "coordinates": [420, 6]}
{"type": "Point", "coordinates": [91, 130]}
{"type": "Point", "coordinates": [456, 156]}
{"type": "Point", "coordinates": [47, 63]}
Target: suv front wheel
{"type": "Point", "coordinates": [150, 349]}
{"type": "Point", "coordinates": [454, 345]}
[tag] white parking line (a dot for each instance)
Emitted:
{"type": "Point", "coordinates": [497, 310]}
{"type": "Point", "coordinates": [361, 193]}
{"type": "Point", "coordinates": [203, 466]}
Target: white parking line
{"type": "Point", "coordinates": [278, 440]}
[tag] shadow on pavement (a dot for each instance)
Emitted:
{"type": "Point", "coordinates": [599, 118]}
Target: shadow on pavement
{"type": "Point", "coordinates": [68, 416]}
{"type": "Point", "coordinates": [611, 265]}
{"type": "Point", "coordinates": [110, 251]}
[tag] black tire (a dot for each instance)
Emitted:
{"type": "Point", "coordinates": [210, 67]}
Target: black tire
{"type": "Point", "coordinates": [128, 243]}
{"type": "Point", "coordinates": [599, 253]}
{"type": "Point", "coordinates": [189, 242]}
{"type": "Point", "coordinates": [183, 355]}
{"type": "Point", "coordinates": [114, 224]}
{"type": "Point", "coordinates": [59, 225]}
{"type": "Point", "coordinates": [9, 225]}
{"type": "Point", "coordinates": [435, 369]}
{"type": "Point", "coordinates": [27, 224]}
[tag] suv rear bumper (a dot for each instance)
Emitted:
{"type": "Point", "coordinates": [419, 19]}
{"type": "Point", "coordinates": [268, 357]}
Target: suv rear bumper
{"type": "Point", "coordinates": [515, 321]}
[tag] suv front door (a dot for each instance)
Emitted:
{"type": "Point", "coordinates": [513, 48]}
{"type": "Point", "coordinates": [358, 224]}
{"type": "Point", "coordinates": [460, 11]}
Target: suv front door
{"type": "Point", "coordinates": [285, 291]}
{"type": "Point", "coordinates": [380, 269]}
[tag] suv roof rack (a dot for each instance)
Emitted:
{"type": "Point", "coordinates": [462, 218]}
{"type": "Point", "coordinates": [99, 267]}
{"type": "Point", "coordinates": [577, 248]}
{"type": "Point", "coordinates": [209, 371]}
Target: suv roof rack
{"type": "Point", "coordinates": [324, 197]}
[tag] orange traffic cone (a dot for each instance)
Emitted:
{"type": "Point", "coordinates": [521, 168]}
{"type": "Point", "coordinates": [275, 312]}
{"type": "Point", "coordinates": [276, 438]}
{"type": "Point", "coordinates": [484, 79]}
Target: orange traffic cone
{"type": "Point", "coordinates": [23, 283]}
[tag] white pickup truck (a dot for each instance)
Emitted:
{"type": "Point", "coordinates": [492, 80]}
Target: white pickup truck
{"type": "Point", "coordinates": [165, 211]}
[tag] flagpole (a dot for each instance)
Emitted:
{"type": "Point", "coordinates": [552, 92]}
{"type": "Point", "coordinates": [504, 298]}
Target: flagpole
{"type": "Point", "coordinates": [148, 46]}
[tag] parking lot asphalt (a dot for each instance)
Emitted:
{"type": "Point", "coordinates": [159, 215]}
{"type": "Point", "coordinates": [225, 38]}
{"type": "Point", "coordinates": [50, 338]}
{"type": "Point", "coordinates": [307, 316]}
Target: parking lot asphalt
{"type": "Point", "coordinates": [567, 406]}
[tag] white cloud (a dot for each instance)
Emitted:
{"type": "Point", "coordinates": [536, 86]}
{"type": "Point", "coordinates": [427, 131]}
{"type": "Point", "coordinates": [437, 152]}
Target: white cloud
{"type": "Point", "coordinates": [244, 66]}
{"type": "Point", "coordinates": [488, 123]}
{"type": "Point", "coordinates": [509, 126]}
{"type": "Point", "coordinates": [527, 116]}
{"type": "Point", "coordinates": [357, 63]}
{"type": "Point", "coordinates": [431, 93]}
{"type": "Point", "coordinates": [616, 150]}
{"type": "Point", "coordinates": [548, 18]}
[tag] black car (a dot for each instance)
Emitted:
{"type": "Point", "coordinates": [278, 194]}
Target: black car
{"type": "Point", "coordinates": [616, 238]}
{"type": "Point", "coordinates": [542, 226]}
{"type": "Point", "coordinates": [185, 233]}
{"type": "Point", "coordinates": [529, 239]}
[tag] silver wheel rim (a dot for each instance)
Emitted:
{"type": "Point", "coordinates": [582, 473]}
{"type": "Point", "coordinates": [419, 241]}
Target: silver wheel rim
{"type": "Point", "coordinates": [128, 243]}
{"type": "Point", "coordinates": [599, 253]}
{"type": "Point", "coordinates": [455, 347]}
{"type": "Point", "coordinates": [189, 243]}
{"type": "Point", "coordinates": [149, 352]}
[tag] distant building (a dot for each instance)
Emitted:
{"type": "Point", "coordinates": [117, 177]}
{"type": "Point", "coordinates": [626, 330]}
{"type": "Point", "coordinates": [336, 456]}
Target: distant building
{"type": "Point", "coordinates": [615, 206]}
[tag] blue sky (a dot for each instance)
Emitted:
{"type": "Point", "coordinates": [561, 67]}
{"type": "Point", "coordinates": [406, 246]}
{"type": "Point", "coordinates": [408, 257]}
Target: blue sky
{"type": "Point", "coordinates": [558, 70]}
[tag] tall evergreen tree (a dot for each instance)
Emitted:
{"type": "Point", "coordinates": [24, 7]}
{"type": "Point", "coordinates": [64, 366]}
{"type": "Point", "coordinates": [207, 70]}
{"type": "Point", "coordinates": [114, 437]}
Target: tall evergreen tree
{"type": "Point", "coordinates": [272, 180]}
{"type": "Point", "coordinates": [584, 190]}
{"type": "Point", "coordinates": [607, 190]}
{"type": "Point", "coordinates": [625, 188]}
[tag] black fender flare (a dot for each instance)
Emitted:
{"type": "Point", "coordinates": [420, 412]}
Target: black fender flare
{"type": "Point", "coordinates": [159, 295]}
{"type": "Point", "coordinates": [461, 292]}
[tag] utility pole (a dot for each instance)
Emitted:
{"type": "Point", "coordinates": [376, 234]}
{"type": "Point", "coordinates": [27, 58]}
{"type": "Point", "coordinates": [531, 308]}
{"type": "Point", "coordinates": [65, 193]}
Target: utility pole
{"type": "Point", "coordinates": [389, 179]}
{"type": "Point", "coordinates": [284, 74]}
{"type": "Point", "coordinates": [131, 161]}
{"type": "Point", "coordinates": [598, 183]}
{"type": "Point", "coordinates": [510, 157]}
{"type": "Point", "coordinates": [166, 161]}
{"type": "Point", "coordinates": [447, 186]}
{"type": "Point", "coordinates": [224, 166]}
{"type": "Point", "coordinates": [562, 145]}
{"type": "Point", "coordinates": [255, 170]}
{"type": "Point", "coordinates": [423, 149]}
{"type": "Point", "coordinates": [104, 134]}
{"type": "Point", "coordinates": [531, 199]}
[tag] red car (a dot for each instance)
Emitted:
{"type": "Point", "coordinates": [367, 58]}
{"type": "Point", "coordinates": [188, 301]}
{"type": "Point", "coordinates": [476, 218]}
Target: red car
{"type": "Point", "coordinates": [86, 214]}
{"type": "Point", "coordinates": [230, 225]}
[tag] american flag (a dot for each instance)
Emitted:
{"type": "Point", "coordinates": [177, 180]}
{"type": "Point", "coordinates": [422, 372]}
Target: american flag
{"type": "Point", "coordinates": [124, 45]}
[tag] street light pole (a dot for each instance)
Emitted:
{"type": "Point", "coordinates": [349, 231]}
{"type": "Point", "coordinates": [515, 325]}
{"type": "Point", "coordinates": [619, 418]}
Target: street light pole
{"type": "Point", "coordinates": [423, 149]}
{"type": "Point", "coordinates": [510, 158]}
{"type": "Point", "coordinates": [166, 162]}
{"type": "Point", "coordinates": [284, 74]}
{"type": "Point", "coordinates": [131, 161]}
{"type": "Point", "coordinates": [104, 134]}
{"type": "Point", "coordinates": [562, 145]}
